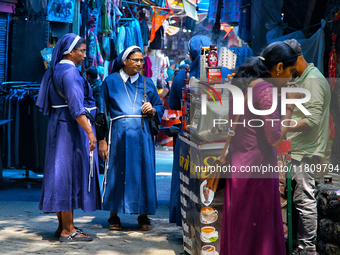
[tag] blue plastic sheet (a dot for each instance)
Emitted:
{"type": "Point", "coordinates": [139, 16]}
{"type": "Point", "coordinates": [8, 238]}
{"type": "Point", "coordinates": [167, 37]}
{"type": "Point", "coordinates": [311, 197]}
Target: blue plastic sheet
{"type": "Point", "coordinates": [313, 48]}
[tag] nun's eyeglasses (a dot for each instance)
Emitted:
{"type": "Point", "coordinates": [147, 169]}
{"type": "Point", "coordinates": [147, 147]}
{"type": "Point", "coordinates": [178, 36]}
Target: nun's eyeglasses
{"type": "Point", "coordinates": [136, 60]}
{"type": "Point", "coordinates": [83, 51]}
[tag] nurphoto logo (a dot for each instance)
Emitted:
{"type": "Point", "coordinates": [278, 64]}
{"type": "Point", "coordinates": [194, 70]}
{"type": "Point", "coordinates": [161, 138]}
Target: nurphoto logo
{"type": "Point", "coordinates": [238, 104]}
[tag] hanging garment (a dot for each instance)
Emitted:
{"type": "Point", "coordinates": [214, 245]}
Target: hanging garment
{"type": "Point", "coordinates": [145, 32]}
{"type": "Point", "coordinates": [190, 24]}
{"type": "Point", "coordinates": [115, 16]}
{"type": "Point", "coordinates": [128, 38]}
{"type": "Point", "coordinates": [158, 17]}
{"type": "Point", "coordinates": [156, 68]}
{"type": "Point", "coordinates": [13, 128]}
{"type": "Point", "coordinates": [132, 34]}
{"type": "Point", "coordinates": [27, 144]}
{"type": "Point", "coordinates": [138, 34]}
{"type": "Point", "coordinates": [243, 53]}
{"type": "Point", "coordinates": [333, 60]}
{"type": "Point", "coordinates": [113, 51]}
{"type": "Point", "coordinates": [244, 25]}
{"type": "Point", "coordinates": [230, 11]}
{"type": "Point", "coordinates": [105, 24]}
{"type": "Point", "coordinates": [147, 68]}
{"type": "Point", "coordinates": [106, 46]}
{"type": "Point", "coordinates": [120, 40]}
{"type": "Point", "coordinates": [313, 48]}
{"type": "Point", "coordinates": [158, 42]}
{"type": "Point", "coordinates": [227, 58]}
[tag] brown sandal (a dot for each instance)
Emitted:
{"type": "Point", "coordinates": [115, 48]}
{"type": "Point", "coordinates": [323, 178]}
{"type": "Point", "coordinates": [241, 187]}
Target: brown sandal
{"type": "Point", "coordinates": [144, 220]}
{"type": "Point", "coordinates": [114, 220]}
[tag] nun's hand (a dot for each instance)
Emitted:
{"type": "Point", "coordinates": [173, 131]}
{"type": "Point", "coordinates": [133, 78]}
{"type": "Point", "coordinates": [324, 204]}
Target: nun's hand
{"type": "Point", "coordinates": [102, 150]}
{"type": "Point", "coordinates": [93, 141]}
{"type": "Point", "coordinates": [147, 108]}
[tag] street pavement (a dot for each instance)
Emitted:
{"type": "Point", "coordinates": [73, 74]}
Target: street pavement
{"type": "Point", "coordinates": [24, 229]}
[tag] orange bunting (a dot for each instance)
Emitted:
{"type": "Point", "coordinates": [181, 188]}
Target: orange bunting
{"type": "Point", "coordinates": [227, 28]}
{"type": "Point", "coordinates": [158, 17]}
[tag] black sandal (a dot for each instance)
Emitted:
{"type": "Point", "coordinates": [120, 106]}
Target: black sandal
{"type": "Point", "coordinates": [73, 238]}
{"type": "Point", "coordinates": [57, 234]}
{"type": "Point", "coordinates": [114, 220]}
{"type": "Point", "coordinates": [144, 220]}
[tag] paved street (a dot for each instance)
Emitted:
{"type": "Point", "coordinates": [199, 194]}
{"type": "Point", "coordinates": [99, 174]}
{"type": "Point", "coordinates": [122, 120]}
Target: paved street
{"type": "Point", "coordinates": [26, 230]}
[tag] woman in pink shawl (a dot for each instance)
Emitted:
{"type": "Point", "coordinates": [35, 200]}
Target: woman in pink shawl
{"type": "Point", "coordinates": [252, 220]}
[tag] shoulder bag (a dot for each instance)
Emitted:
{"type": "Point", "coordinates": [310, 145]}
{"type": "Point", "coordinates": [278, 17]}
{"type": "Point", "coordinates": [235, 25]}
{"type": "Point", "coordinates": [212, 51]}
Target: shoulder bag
{"type": "Point", "coordinates": [153, 122]}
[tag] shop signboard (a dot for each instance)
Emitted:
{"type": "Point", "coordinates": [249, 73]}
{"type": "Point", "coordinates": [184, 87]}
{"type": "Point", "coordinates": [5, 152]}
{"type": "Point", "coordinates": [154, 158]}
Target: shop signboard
{"type": "Point", "coordinates": [7, 7]}
{"type": "Point", "coordinates": [60, 11]}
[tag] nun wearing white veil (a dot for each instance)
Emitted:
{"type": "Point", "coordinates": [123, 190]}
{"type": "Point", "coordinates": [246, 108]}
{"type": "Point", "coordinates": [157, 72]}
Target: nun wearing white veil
{"type": "Point", "coordinates": [131, 176]}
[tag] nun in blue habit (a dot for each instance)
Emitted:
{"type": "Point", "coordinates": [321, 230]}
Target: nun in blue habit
{"type": "Point", "coordinates": [130, 175]}
{"type": "Point", "coordinates": [71, 174]}
{"type": "Point", "coordinates": [175, 96]}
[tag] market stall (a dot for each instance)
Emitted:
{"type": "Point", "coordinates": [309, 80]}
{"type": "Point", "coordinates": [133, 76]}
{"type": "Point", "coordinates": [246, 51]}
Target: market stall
{"type": "Point", "coordinates": [205, 113]}
{"type": "Point", "coordinates": [201, 208]}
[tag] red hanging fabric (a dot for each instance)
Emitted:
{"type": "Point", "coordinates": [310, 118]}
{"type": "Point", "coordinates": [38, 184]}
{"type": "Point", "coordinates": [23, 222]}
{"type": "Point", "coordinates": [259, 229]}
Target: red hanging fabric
{"type": "Point", "coordinates": [337, 16]}
{"type": "Point", "coordinates": [332, 64]}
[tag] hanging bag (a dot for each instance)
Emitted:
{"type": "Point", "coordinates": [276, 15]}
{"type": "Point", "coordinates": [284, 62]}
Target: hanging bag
{"type": "Point", "coordinates": [214, 178]}
{"type": "Point", "coordinates": [153, 122]}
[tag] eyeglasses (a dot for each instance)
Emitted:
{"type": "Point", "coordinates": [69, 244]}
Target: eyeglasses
{"type": "Point", "coordinates": [83, 51]}
{"type": "Point", "coordinates": [136, 60]}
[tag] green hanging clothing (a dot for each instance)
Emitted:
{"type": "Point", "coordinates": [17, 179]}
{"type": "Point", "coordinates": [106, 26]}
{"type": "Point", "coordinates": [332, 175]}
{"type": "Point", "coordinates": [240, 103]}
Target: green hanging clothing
{"type": "Point", "coordinates": [105, 26]}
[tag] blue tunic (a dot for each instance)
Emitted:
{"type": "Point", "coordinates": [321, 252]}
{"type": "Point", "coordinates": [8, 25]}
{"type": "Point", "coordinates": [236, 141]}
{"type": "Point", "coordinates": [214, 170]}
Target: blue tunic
{"type": "Point", "coordinates": [67, 163]}
{"type": "Point", "coordinates": [131, 177]}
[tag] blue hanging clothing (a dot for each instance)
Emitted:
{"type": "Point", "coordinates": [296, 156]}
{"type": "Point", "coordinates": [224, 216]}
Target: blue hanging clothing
{"type": "Point", "coordinates": [128, 39]}
{"type": "Point", "coordinates": [145, 32]}
{"type": "Point", "coordinates": [120, 41]}
{"type": "Point", "coordinates": [230, 11]}
{"type": "Point", "coordinates": [244, 26]}
{"type": "Point", "coordinates": [133, 36]}
{"type": "Point", "coordinates": [138, 34]}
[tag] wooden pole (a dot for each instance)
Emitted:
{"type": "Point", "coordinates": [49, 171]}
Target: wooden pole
{"type": "Point", "coordinates": [309, 13]}
{"type": "Point", "coordinates": [76, 18]}
{"type": "Point", "coordinates": [217, 26]}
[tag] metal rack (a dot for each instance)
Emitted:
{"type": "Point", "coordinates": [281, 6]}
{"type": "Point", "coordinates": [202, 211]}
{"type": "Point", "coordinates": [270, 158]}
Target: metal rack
{"type": "Point", "coordinates": [21, 175]}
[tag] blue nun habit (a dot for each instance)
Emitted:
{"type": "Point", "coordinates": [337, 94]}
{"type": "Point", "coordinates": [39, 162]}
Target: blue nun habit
{"type": "Point", "coordinates": [175, 97]}
{"type": "Point", "coordinates": [68, 182]}
{"type": "Point", "coordinates": [131, 175]}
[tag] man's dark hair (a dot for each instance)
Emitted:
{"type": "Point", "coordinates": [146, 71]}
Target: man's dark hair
{"type": "Point", "coordinates": [259, 67]}
{"type": "Point", "coordinates": [92, 72]}
{"type": "Point", "coordinates": [296, 46]}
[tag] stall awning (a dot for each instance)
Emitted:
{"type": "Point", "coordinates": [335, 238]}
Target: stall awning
{"type": "Point", "coordinates": [190, 8]}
